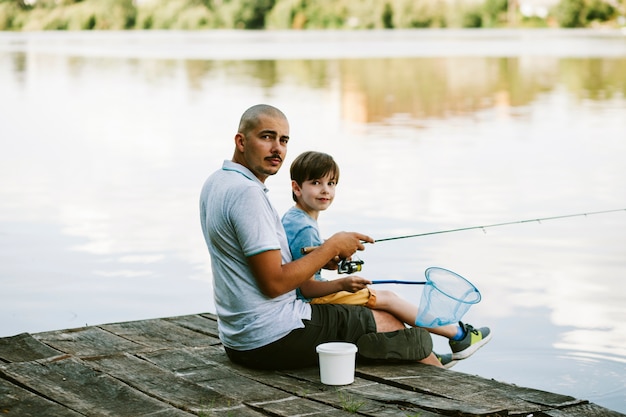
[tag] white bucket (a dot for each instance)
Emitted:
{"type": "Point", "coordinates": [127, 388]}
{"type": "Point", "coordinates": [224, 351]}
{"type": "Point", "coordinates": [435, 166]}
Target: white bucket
{"type": "Point", "coordinates": [337, 362]}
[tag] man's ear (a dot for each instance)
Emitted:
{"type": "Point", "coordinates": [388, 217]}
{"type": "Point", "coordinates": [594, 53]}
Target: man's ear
{"type": "Point", "coordinates": [240, 141]}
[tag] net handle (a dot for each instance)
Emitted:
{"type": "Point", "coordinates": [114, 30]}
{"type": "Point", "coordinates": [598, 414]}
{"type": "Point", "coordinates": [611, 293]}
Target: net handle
{"type": "Point", "coordinates": [393, 281]}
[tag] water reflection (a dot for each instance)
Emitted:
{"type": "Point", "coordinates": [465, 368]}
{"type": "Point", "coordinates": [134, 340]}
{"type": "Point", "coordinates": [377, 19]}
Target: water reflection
{"type": "Point", "coordinates": [104, 154]}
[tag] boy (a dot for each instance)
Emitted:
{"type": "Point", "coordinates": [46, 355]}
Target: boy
{"type": "Point", "coordinates": [314, 177]}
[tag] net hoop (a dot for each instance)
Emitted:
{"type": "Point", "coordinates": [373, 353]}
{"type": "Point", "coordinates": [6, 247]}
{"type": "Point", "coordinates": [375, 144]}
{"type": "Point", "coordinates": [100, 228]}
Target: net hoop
{"type": "Point", "coordinates": [465, 300]}
{"type": "Point", "coordinates": [446, 297]}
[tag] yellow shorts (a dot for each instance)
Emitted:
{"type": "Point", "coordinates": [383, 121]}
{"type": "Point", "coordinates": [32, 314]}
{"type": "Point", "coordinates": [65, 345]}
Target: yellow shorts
{"type": "Point", "coordinates": [364, 297]}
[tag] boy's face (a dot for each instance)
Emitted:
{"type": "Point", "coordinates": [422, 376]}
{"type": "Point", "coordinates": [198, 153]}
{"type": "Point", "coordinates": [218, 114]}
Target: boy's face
{"type": "Point", "coordinates": [315, 195]}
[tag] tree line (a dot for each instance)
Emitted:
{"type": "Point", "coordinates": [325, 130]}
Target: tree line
{"type": "Point", "coordinates": [32, 15]}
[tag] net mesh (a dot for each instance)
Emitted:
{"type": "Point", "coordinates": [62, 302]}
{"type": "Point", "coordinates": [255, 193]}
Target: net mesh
{"type": "Point", "coordinates": [446, 298]}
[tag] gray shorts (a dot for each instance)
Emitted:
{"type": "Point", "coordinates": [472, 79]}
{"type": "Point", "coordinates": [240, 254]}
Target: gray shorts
{"type": "Point", "coordinates": [336, 323]}
{"type": "Point", "coordinates": [329, 323]}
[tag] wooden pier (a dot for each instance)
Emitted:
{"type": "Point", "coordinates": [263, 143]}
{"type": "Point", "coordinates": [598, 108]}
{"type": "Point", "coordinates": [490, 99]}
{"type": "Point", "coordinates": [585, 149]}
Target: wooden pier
{"type": "Point", "coordinates": [176, 366]}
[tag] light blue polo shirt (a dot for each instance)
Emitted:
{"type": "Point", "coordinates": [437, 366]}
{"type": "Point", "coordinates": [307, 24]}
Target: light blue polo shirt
{"type": "Point", "coordinates": [238, 221]}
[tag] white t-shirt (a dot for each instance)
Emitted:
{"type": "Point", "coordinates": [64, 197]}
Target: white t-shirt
{"type": "Point", "coordinates": [239, 221]}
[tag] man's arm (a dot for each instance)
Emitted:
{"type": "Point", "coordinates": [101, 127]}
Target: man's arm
{"type": "Point", "coordinates": [276, 279]}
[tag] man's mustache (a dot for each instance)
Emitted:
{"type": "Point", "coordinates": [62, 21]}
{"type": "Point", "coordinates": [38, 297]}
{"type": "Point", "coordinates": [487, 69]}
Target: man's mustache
{"type": "Point", "coordinates": [275, 156]}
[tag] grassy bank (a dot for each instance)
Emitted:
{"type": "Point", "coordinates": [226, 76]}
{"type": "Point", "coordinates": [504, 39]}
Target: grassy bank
{"type": "Point", "coordinates": [30, 15]}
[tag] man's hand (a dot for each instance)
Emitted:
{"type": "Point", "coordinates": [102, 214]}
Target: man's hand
{"type": "Point", "coordinates": [347, 243]}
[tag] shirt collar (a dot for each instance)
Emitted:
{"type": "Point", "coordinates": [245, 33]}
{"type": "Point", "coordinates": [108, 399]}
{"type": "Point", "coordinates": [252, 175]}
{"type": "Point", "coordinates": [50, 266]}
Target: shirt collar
{"type": "Point", "coordinates": [233, 166]}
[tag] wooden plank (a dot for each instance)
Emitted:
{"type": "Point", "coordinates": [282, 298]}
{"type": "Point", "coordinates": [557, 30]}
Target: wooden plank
{"type": "Point", "coordinates": [191, 363]}
{"type": "Point", "coordinates": [371, 398]}
{"type": "Point", "coordinates": [306, 383]}
{"type": "Point", "coordinates": [200, 365]}
{"type": "Point", "coordinates": [470, 389]}
{"type": "Point", "coordinates": [196, 365]}
{"type": "Point", "coordinates": [23, 348]}
{"type": "Point", "coordinates": [355, 398]}
{"type": "Point", "coordinates": [88, 341]}
{"type": "Point", "coordinates": [160, 383]}
{"type": "Point", "coordinates": [381, 397]}
{"type": "Point", "coordinates": [160, 334]}
{"type": "Point", "coordinates": [583, 410]}
{"type": "Point", "coordinates": [68, 381]}
{"type": "Point", "coordinates": [16, 401]}
{"type": "Point", "coordinates": [295, 406]}
{"type": "Point", "coordinates": [202, 323]}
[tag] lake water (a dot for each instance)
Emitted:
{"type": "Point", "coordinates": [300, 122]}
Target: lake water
{"type": "Point", "coordinates": [107, 138]}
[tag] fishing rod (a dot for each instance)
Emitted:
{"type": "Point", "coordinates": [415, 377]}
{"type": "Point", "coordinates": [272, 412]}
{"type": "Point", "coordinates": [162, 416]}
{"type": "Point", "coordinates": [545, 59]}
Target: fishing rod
{"type": "Point", "coordinates": [538, 220]}
{"type": "Point", "coordinates": [347, 266]}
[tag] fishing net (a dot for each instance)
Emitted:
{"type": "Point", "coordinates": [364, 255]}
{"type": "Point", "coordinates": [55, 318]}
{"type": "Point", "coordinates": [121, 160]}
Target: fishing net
{"type": "Point", "coordinates": [446, 298]}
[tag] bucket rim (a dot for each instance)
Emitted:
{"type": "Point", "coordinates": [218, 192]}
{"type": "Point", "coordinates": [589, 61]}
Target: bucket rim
{"type": "Point", "coordinates": [336, 348]}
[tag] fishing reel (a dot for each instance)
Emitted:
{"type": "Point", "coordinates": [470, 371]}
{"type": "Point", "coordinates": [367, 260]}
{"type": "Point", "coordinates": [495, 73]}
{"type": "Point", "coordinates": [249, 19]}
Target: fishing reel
{"type": "Point", "coordinates": [347, 266]}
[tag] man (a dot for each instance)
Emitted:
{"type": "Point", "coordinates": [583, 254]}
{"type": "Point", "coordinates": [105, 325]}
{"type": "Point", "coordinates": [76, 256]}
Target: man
{"type": "Point", "coordinates": [261, 322]}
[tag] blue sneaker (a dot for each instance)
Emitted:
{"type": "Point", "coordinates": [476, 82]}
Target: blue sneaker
{"type": "Point", "coordinates": [474, 339]}
{"type": "Point", "coordinates": [446, 360]}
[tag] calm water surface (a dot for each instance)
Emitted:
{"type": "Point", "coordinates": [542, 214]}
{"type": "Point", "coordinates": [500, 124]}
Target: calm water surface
{"type": "Point", "coordinates": [107, 138]}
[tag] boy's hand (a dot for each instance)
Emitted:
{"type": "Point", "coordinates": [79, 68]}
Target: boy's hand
{"type": "Point", "coordinates": [353, 283]}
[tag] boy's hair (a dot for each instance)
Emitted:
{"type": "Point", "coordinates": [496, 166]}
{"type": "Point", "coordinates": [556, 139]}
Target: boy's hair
{"type": "Point", "coordinates": [312, 165]}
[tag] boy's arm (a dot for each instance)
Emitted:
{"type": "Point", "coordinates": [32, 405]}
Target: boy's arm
{"type": "Point", "coordinates": [275, 278]}
{"type": "Point", "coordinates": [313, 288]}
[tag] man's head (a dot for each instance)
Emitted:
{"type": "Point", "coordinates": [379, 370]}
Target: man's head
{"type": "Point", "coordinates": [313, 166]}
{"type": "Point", "coordinates": [261, 140]}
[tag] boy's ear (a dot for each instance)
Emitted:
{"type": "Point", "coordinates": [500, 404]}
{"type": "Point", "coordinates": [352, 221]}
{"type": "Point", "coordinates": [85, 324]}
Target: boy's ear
{"type": "Point", "coordinates": [295, 188]}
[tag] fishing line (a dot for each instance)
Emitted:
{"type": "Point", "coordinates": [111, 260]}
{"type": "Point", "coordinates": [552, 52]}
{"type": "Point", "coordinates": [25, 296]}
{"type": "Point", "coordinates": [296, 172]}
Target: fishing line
{"type": "Point", "coordinates": [487, 226]}
{"type": "Point", "coordinates": [349, 267]}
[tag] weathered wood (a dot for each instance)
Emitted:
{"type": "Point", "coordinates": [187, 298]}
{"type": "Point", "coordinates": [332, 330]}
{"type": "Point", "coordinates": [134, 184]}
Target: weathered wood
{"type": "Point", "coordinates": [159, 383]}
{"type": "Point", "coordinates": [68, 381]}
{"type": "Point", "coordinates": [257, 396]}
{"type": "Point", "coordinates": [200, 323]}
{"type": "Point", "coordinates": [160, 334]}
{"type": "Point", "coordinates": [196, 366]}
{"type": "Point", "coordinates": [470, 390]}
{"type": "Point", "coordinates": [88, 341]}
{"type": "Point", "coordinates": [16, 401]}
{"type": "Point", "coordinates": [583, 410]}
{"type": "Point", "coordinates": [177, 367]}
{"type": "Point", "coordinates": [23, 348]}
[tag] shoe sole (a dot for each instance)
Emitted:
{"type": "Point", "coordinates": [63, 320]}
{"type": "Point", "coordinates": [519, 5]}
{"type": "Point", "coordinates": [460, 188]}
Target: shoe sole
{"type": "Point", "coordinates": [466, 353]}
{"type": "Point", "coordinates": [450, 364]}
{"type": "Point", "coordinates": [412, 344]}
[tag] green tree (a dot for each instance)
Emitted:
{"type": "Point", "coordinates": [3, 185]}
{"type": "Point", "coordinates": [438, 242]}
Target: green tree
{"type": "Point", "coordinates": [600, 10]}
{"type": "Point", "coordinates": [388, 16]}
{"type": "Point", "coordinates": [251, 13]}
{"type": "Point", "coordinates": [569, 13]}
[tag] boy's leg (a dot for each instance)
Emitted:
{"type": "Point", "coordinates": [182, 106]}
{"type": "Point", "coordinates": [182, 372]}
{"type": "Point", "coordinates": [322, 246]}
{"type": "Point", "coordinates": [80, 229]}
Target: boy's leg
{"type": "Point", "coordinates": [464, 339]}
{"type": "Point", "coordinates": [392, 303]}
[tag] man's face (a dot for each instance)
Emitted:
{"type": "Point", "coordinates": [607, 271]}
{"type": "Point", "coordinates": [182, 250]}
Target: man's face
{"type": "Point", "coordinates": [264, 148]}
